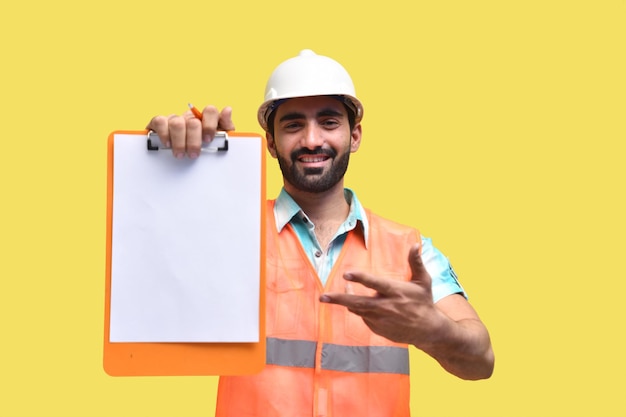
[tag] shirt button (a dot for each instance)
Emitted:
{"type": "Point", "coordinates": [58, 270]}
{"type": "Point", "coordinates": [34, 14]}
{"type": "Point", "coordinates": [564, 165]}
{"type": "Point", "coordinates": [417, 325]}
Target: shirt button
{"type": "Point", "coordinates": [318, 253]}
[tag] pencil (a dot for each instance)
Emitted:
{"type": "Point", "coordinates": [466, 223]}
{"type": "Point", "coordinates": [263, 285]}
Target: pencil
{"type": "Point", "coordinates": [195, 111]}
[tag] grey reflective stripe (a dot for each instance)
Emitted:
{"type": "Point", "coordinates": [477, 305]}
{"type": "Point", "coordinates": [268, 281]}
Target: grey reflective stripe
{"type": "Point", "coordinates": [298, 353]}
{"type": "Point", "coordinates": [360, 359]}
{"type": "Point", "coordinates": [383, 359]}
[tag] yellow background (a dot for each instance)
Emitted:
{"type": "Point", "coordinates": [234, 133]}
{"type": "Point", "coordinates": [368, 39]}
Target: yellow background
{"type": "Point", "coordinates": [496, 127]}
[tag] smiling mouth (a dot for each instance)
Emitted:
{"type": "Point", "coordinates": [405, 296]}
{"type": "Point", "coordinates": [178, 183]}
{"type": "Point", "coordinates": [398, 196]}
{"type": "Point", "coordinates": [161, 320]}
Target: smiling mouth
{"type": "Point", "coordinates": [309, 159]}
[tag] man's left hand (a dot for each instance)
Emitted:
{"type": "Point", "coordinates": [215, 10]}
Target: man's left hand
{"type": "Point", "coordinates": [401, 311]}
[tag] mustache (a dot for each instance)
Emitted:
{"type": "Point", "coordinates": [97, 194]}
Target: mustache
{"type": "Point", "coordinates": [317, 151]}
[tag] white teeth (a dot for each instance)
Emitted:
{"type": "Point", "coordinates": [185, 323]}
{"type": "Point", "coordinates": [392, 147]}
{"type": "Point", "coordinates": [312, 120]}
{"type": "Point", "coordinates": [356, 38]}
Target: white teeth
{"type": "Point", "coordinates": [319, 159]}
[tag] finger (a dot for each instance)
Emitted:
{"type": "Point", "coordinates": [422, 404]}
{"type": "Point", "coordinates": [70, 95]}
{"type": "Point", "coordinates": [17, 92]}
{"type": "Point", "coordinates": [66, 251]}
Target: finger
{"type": "Point", "coordinates": [418, 270]}
{"type": "Point", "coordinates": [380, 285]}
{"type": "Point", "coordinates": [356, 303]}
{"type": "Point", "coordinates": [210, 121]}
{"type": "Point", "coordinates": [226, 119]}
{"type": "Point", "coordinates": [194, 137]}
{"type": "Point", "coordinates": [178, 135]}
{"type": "Point", "coordinates": [160, 126]}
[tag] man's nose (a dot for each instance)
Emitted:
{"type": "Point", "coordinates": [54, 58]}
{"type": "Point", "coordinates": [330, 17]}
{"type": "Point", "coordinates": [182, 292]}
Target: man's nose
{"type": "Point", "coordinates": [313, 137]}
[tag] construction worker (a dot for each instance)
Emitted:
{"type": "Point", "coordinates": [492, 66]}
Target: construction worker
{"type": "Point", "coordinates": [347, 291]}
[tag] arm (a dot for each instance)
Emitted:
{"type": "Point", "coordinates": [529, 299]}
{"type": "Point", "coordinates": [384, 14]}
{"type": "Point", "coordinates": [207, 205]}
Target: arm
{"type": "Point", "coordinates": [461, 343]}
{"type": "Point", "coordinates": [449, 331]}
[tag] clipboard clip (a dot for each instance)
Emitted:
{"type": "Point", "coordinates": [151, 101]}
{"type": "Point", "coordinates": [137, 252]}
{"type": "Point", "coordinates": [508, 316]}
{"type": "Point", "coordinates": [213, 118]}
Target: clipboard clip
{"type": "Point", "coordinates": [218, 144]}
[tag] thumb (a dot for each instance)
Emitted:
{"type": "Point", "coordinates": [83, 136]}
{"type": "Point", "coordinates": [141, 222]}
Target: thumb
{"type": "Point", "coordinates": [226, 119]}
{"type": "Point", "coordinates": [419, 274]}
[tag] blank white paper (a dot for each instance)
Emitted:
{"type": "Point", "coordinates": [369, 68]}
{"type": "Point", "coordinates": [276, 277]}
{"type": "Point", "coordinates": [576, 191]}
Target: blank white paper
{"type": "Point", "coordinates": [186, 239]}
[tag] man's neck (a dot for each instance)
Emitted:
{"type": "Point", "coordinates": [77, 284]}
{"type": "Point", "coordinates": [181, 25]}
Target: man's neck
{"type": "Point", "coordinates": [328, 206]}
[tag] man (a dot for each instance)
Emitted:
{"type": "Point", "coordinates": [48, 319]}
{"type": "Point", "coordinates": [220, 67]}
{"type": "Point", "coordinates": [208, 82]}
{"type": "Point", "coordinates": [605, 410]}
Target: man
{"type": "Point", "coordinates": [343, 301]}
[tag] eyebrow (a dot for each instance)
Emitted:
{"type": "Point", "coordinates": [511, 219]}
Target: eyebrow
{"type": "Point", "coordinates": [322, 113]}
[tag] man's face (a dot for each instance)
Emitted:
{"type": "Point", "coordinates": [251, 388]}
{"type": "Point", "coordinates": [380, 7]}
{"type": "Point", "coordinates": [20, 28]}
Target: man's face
{"type": "Point", "coordinates": [312, 142]}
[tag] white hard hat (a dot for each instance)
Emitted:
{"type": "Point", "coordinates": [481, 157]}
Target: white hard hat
{"type": "Point", "coordinates": [305, 75]}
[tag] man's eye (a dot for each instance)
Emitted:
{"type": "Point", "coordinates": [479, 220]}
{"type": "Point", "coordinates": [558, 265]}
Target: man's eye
{"type": "Point", "coordinates": [330, 123]}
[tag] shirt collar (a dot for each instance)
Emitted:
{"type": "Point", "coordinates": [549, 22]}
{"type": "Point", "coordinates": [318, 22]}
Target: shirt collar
{"type": "Point", "coordinates": [286, 208]}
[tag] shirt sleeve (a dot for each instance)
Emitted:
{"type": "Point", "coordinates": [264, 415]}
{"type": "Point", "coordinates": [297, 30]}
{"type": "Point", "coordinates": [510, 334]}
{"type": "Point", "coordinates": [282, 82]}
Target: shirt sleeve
{"type": "Point", "coordinates": [444, 278]}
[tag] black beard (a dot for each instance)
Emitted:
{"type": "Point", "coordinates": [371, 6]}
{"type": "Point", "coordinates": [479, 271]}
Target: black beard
{"type": "Point", "coordinates": [314, 180]}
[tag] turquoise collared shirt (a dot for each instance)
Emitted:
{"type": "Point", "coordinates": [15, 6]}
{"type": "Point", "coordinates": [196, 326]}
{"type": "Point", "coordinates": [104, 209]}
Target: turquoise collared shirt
{"type": "Point", "coordinates": [287, 211]}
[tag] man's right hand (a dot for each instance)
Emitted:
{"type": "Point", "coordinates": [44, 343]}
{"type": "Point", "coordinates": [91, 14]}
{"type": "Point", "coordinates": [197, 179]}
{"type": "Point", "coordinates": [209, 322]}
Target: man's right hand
{"type": "Point", "coordinates": [185, 133]}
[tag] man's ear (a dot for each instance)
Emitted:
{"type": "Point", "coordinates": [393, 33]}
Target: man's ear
{"type": "Point", "coordinates": [355, 139]}
{"type": "Point", "coordinates": [271, 144]}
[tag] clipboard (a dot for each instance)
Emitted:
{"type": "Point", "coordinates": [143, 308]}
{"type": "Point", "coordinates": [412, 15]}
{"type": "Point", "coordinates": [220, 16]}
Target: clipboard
{"type": "Point", "coordinates": [124, 356]}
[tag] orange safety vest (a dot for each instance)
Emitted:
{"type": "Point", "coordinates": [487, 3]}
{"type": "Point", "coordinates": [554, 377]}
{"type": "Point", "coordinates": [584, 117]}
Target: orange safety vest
{"type": "Point", "coordinates": [321, 359]}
